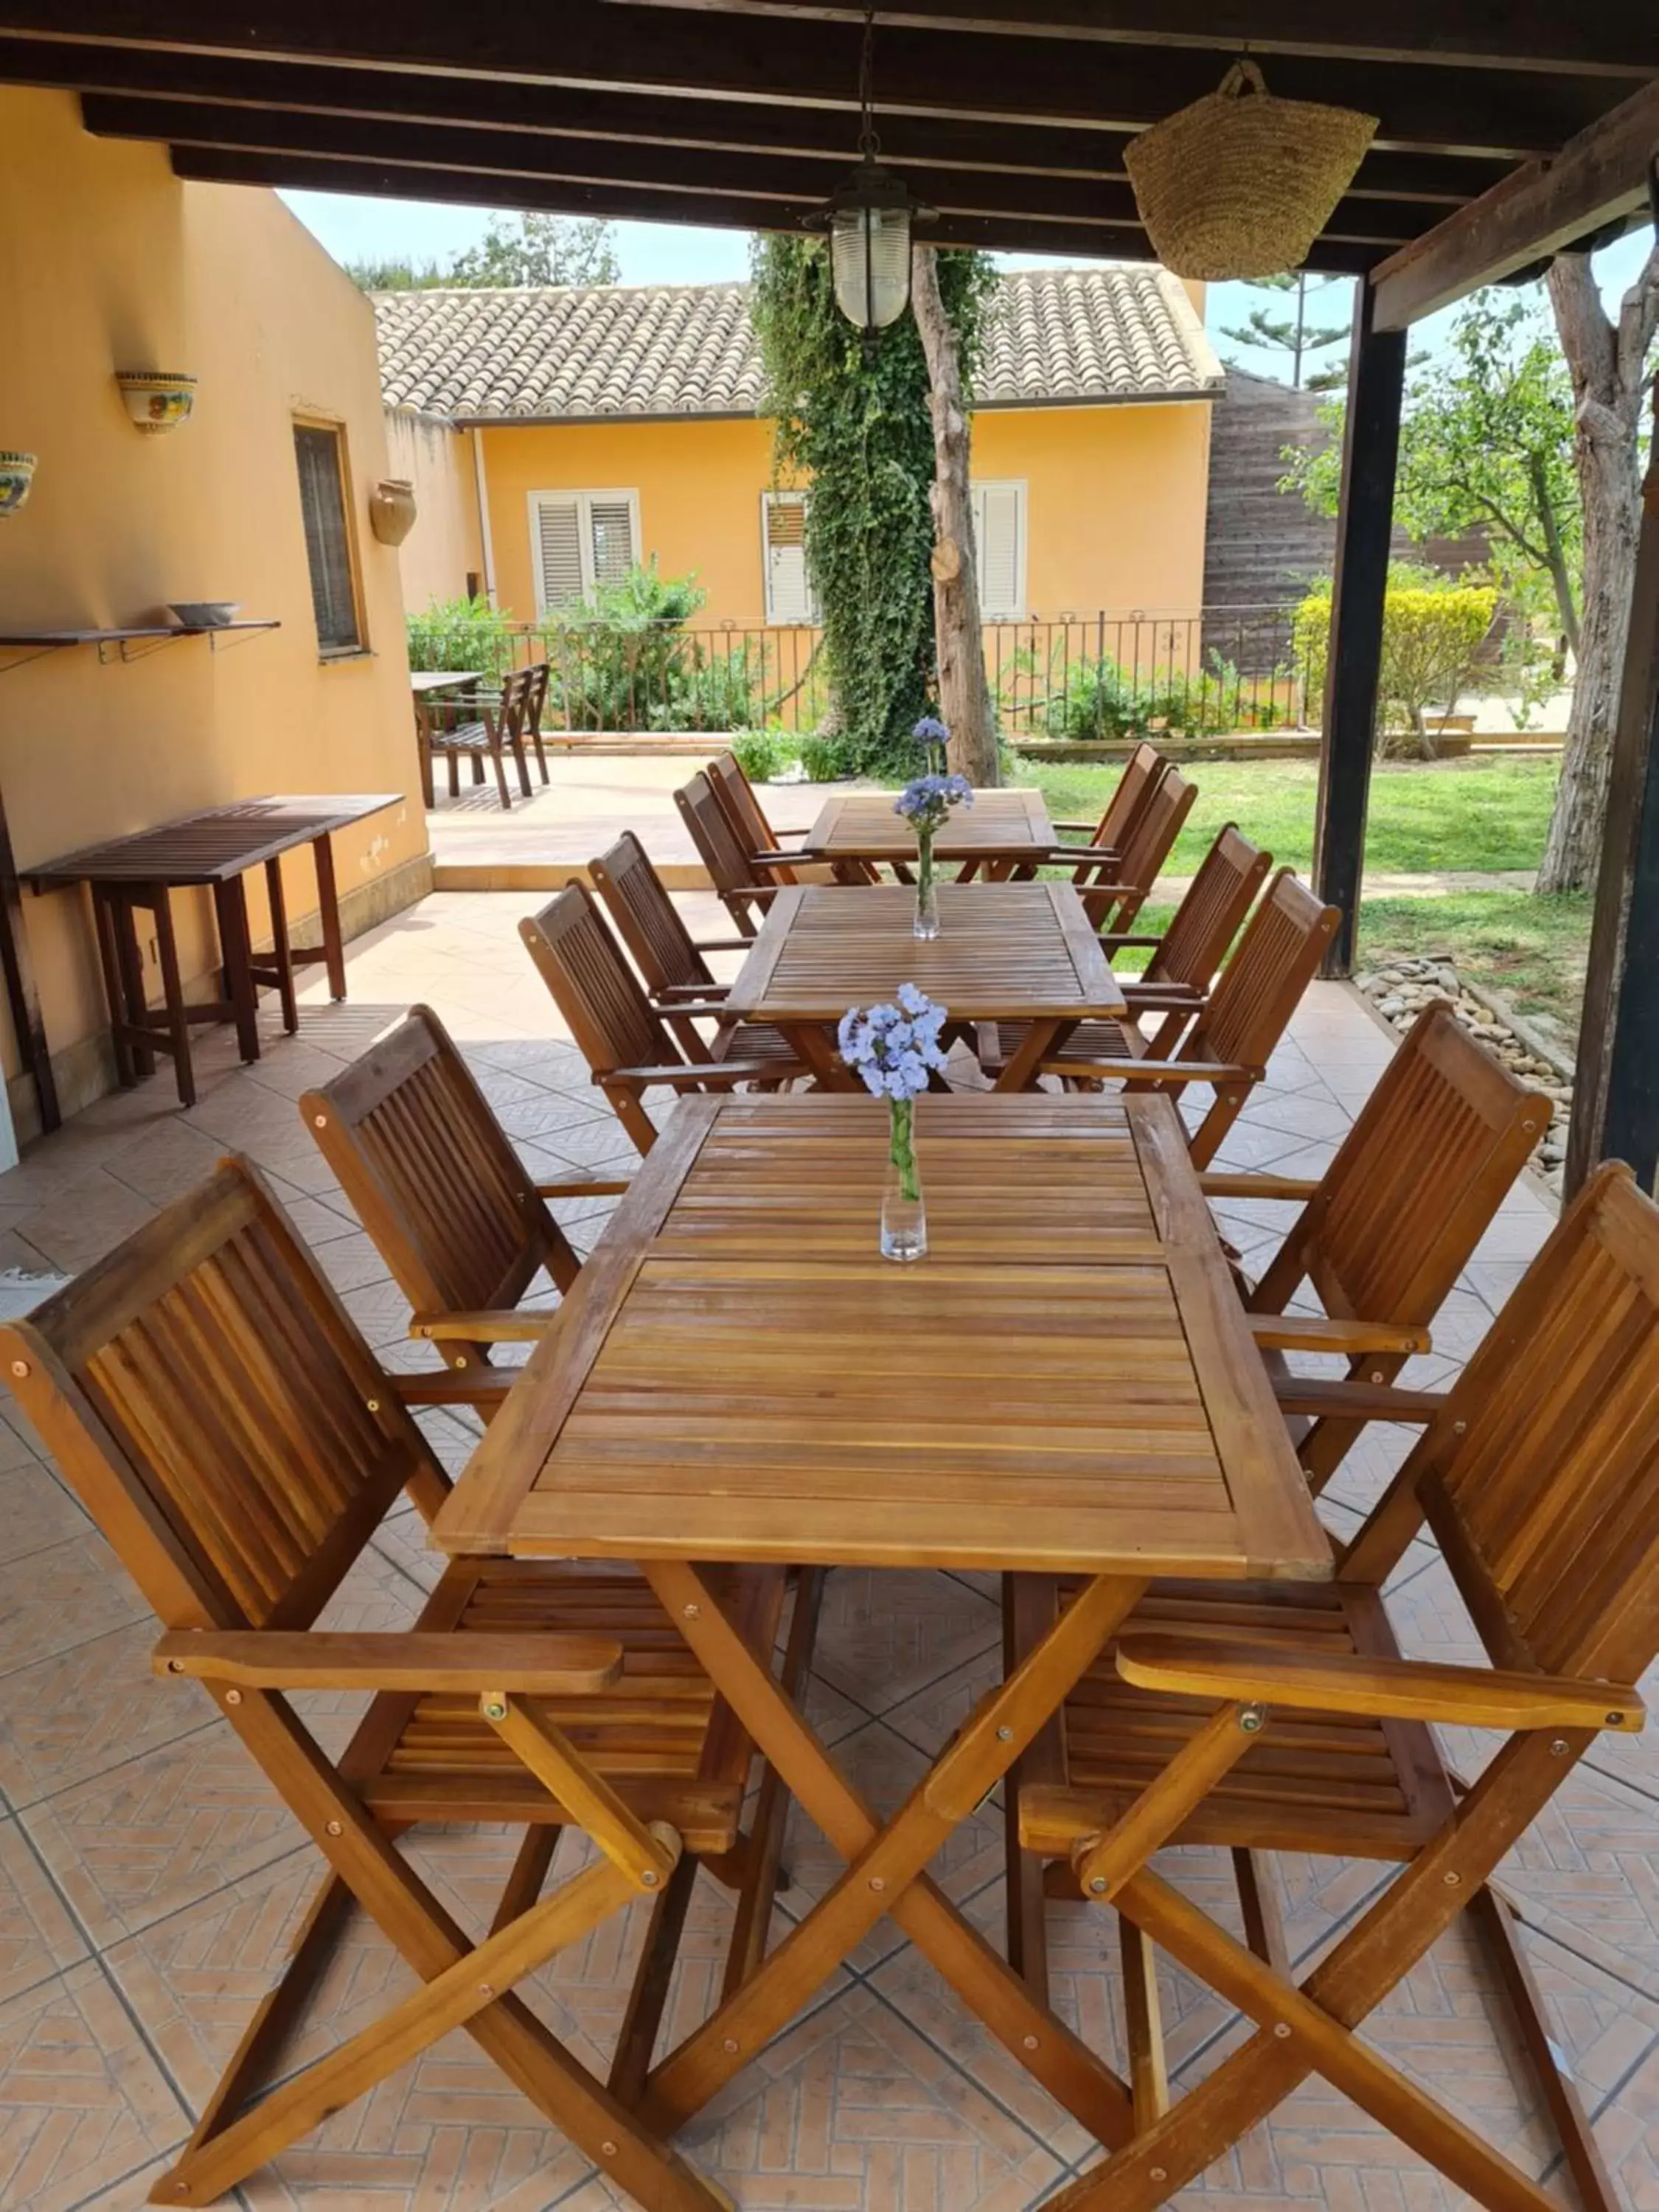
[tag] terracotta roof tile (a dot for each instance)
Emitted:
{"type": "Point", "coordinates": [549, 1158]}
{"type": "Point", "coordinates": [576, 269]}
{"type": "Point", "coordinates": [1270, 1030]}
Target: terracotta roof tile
{"type": "Point", "coordinates": [1055, 337]}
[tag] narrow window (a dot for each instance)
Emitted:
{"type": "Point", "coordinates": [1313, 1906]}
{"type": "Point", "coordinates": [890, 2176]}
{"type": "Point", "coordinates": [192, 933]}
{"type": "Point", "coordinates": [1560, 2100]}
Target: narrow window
{"type": "Point", "coordinates": [320, 451]}
{"type": "Point", "coordinates": [1000, 545]}
{"type": "Point", "coordinates": [789, 597]}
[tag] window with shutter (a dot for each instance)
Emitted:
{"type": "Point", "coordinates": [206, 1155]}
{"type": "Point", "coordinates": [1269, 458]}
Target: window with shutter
{"type": "Point", "coordinates": [789, 596]}
{"type": "Point", "coordinates": [580, 540]}
{"type": "Point", "coordinates": [1000, 549]}
{"type": "Point", "coordinates": [319, 452]}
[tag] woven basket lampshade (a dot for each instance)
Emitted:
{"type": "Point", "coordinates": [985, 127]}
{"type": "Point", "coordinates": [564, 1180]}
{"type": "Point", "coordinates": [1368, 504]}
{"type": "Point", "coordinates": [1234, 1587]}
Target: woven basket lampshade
{"type": "Point", "coordinates": [1241, 183]}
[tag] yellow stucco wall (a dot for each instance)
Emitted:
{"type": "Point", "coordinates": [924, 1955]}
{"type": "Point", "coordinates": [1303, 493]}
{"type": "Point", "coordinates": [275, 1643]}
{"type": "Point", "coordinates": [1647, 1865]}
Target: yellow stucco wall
{"type": "Point", "coordinates": [444, 548]}
{"type": "Point", "coordinates": [1115, 501]}
{"type": "Point", "coordinates": [107, 261]}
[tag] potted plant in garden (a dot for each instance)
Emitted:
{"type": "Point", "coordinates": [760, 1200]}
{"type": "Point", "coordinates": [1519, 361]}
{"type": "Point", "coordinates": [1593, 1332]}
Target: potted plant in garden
{"type": "Point", "coordinates": [895, 1050]}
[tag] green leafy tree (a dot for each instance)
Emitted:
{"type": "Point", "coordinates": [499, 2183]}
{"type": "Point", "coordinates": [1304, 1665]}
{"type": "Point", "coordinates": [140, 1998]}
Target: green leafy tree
{"type": "Point", "coordinates": [1486, 443]}
{"type": "Point", "coordinates": [1293, 334]}
{"type": "Point", "coordinates": [515, 250]}
{"type": "Point", "coordinates": [861, 434]}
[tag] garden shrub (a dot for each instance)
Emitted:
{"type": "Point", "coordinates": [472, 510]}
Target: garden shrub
{"type": "Point", "coordinates": [460, 633]}
{"type": "Point", "coordinates": [763, 754]}
{"type": "Point", "coordinates": [1433, 629]}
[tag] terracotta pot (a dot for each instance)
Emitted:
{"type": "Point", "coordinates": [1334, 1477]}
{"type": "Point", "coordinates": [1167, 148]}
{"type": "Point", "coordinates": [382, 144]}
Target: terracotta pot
{"type": "Point", "coordinates": [16, 475]}
{"type": "Point", "coordinates": [391, 509]}
{"type": "Point", "coordinates": [157, 399]}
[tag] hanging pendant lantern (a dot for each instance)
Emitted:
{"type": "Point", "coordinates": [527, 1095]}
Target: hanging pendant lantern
{"type": "Point", "coordinates": [869, 218]}
{"type": "Point", "coordinates": [869, 246]}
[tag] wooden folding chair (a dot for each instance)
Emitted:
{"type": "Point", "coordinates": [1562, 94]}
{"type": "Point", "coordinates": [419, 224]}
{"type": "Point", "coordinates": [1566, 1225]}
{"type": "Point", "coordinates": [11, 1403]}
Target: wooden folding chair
{"type": "Point", "coordinates": [1385, 1232]}
{"type": "Point", "coordinates": [535, 704]}
{"type": "Point", "coordinates": [1142, 774]}
{"type": "Point", "coordinates": [1281, 1716]}
{"type": "Point", "coordinates": [1259, 988]}
{"type": "Point", "coordinates": [1176, 982]}
{"type": "Point", "coordinates": [747, 820]}
{"type": "Point", "coordinates": [475, 730]}
{"type": "Point", "coordinates": [235, 1441]}
{"type": "Point", "coordinates": [625, 1040]}
{"type": "Point", "coordinates": [434, 1177]}
{"type": "Point", "coordinates": [745, 884]}
{"type": "Point", "coordinates": [662, 948]}
{"type": "Point", "coordinates": [1115, 894]}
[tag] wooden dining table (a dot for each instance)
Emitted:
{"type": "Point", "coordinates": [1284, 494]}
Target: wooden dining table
{"type": "Point", "coordinates": [1020, 953]}
{"type": "Point", "coordinates": [1066, 1385]}
{"type": "Point", "coordinates": [1001, 832]}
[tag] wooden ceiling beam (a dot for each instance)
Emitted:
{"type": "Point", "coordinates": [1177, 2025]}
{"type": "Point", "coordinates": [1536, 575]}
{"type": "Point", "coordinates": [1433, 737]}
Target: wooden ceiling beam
{"type": "Point", "coordinates": [806, 134]}
{"type": "Point", "coordinates": [510, 156]}
{"type": "Point", "coordinates": [1600, 178]}
{"type": "Point", "coordinates": [794, 62]}
{"type": "Point", "coordinates": [1616, 37]}
{"type": "Point", "coordinates": [652, 203]}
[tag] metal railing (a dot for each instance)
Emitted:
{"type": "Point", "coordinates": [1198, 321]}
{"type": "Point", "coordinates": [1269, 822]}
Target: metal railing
{"type": "Point", "coordinates": [1076, 679]}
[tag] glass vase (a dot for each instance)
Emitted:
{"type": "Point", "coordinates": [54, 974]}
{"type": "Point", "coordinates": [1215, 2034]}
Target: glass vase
{"type": "Point", "coordinates": [903, 1214]}
{"type": "Point", "coordinates": [925, 924]}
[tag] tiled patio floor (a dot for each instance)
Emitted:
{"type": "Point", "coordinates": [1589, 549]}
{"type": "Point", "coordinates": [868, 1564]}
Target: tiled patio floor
{"type": "Point", "coordinates": [149, 1883]}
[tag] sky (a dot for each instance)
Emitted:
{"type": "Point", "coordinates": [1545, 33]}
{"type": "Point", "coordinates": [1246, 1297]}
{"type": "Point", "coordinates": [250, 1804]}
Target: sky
{"type": "Point", "coordinates": [355, 228]}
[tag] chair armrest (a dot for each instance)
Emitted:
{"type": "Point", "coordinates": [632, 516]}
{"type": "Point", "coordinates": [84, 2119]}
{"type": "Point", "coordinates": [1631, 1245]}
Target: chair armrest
{"type": "Point", "coordinates": [1087, 829]}
{"type": "Point", "coordinates": [723, 944]}
{"type": "Point", "coordinates": [708, 1071]}
{"type": "Point", "coordinates": [1118, 940]}
{"type": "Point", "coordinates": [1216, 1185]}
{"type": "Point", "coordinates": [1292, 1332]}
{"type": "Point", "coordinates": [770, 858]}
{"type": "Point", "coordinates": [674, 995]}
{"type": "Point", "coordinates": [1147, 1072]}
{"type": "Point", "coordinates": [503, 1325]}
{"type": "Point", "coordinates": [1164, 998]}
{"type": "Point", "coordinates": [1400, 1689]}
{"type": "Point", "coordinates": [1338, 1399]}
{"type": "Point", "coordinates": [584, 1187]}
{"type": "Point", "coordinates": [552, 1665]}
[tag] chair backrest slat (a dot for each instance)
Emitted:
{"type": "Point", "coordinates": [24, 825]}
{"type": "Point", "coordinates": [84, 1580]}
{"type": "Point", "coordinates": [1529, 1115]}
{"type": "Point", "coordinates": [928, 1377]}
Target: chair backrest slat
{"type": "Point", "coordinates": [601, 997]}
{"type": "Point", "coordinates": [646, 920]}
{"type": "Point", "coordinates": [1261, 984]}
{"type": "Point", "coordinates": [221, 1416]}
{"type": "Point", "coordinates": [1541, 1475]}
{"type": "Point", "coordinates": [718, 845]}
{"type": "Point", "coordinates": [1208, 918]}
{"type": "Point", "coordinates": [433, 1175]}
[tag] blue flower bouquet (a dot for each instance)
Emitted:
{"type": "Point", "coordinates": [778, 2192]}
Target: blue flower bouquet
{"type": "Point", "coordinates": [925, 804]}
{"type": "Point", "coordinates": [895, 1050]}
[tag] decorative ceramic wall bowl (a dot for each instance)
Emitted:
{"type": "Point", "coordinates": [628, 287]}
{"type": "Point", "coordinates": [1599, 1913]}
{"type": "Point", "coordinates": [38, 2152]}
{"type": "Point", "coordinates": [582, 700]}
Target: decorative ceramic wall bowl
{"type": "Point", "coordinates": [204, 614]}
{"type": "Point", "coordinates": [16, 475]}
{"type": "Point", "coordinates": [157, 399]}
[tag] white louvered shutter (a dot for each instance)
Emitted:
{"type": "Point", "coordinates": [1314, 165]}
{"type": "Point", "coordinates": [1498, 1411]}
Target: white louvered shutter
{"type": "Point", "coordinates": [999, 527]}
{"type": "Point", "coordinates": [558, 547]}
{"type": "Point", "coordinates": [611, 535]}
{"type": "Point", "coordinates": [788, 589]}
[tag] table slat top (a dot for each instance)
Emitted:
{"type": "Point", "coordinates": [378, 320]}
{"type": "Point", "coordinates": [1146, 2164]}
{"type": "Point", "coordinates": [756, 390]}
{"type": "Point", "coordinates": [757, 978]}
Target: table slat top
{"type": "Point", "coordinates": [1005, 952]}
{"type": "Point", "coordinates": [1066, 1383]}
{"type": "Point", "coordinates": [862, 825]}
{"type": "Point", "coordinates": [215, 844]}
{"type": "Point", "coordinates": [422, 680]}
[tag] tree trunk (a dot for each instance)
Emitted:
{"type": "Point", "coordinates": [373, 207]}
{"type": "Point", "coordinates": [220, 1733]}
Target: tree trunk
{"type": "Point", "coordinates": [965, 697]}
{"type": "Point", "coordinates": [1607, 363]}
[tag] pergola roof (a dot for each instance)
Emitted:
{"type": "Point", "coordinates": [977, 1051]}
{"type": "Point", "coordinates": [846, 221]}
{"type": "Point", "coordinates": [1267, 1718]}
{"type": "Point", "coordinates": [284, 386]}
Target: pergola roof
{"type": "Point", "coordinates": [1008, 117]}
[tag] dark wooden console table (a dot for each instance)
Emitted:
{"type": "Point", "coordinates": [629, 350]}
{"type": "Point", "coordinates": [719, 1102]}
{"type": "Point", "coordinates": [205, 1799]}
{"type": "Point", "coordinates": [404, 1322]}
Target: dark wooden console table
{"type": "Point", "coordinates": [212, 850]}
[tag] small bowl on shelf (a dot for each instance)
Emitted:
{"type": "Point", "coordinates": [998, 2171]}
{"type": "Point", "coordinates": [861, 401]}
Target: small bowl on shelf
{"type": "Point", "coordinates": [203, 614]}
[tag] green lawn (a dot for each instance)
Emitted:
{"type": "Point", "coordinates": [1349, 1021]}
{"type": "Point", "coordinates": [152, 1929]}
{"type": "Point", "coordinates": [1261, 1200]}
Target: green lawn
{"type": "Point", "coordinates": [1478, 815]}
{"type": "Point", "coordinates": [1462, 817]}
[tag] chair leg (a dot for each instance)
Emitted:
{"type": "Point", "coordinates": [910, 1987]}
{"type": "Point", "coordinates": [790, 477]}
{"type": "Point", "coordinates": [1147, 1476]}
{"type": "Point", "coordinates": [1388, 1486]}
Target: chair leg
{"type": "Point", "coordinates": [630, 1111]}
{"type": "Point", "coordinates": [498, 755]}
{"type": "Point", "coordinates": [649, 1998]}
{"type": "Point", "coordinates": [1029, 1607]}
{"type": "Point", "coordinates": [1496, 1925]}
{"type": "Point", "coordinates": [530, 1872]}
{"type": "Point", "coordinates": [762, 1875]}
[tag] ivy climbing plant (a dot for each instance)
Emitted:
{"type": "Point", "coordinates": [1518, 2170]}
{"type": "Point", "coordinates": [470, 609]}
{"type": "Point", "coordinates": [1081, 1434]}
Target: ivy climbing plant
{"type": "Point", "coordinates": [859, 434]}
